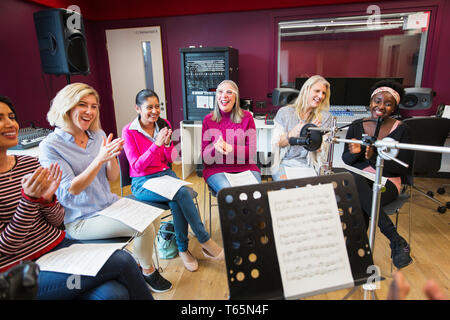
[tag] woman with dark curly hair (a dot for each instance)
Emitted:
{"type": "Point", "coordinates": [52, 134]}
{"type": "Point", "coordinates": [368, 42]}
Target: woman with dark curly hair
{"type": "Point", "coordinates": [385, 96]}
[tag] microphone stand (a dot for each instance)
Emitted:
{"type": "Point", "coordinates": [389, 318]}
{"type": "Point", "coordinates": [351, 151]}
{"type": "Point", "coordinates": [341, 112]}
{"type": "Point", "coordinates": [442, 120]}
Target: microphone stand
{"type": "Point", "coordinates": [387, 149]}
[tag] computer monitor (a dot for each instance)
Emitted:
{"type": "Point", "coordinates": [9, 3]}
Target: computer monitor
{"type": "Point", "coordinates": [358, 89]}
{"type": "Point", "coordinates": [348, 91]}
{"type": "Point", "coordinates": [337, 86]}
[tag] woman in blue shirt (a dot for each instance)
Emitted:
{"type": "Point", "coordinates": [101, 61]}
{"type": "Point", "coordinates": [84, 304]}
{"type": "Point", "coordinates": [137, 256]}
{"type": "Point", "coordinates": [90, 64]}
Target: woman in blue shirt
{"type": "Point", "coordinates": [88, 161]}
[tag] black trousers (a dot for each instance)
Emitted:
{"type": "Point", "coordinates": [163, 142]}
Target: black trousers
{"type": "Point", "coordinates": [365, 192]}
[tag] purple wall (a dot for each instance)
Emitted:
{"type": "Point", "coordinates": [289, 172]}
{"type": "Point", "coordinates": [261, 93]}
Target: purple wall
{"type": "Point", "coordinates": [22, 78]}
{"type": "Point", "coordinates": [253, 33]}
{"type": "Point", "coordinates": [248, 32]}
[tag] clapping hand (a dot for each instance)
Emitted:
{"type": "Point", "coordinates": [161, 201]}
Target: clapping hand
{"type": "Point", "coordinates": [354, 147]}
{"type": "Point", "coordinates": [43, 182]}
{"type": "Point", "coordinates": [221, 146]}
{"type": "Point", "coordinates": [110, 148]}
{"type": "Point", "coordinates": [168, 136]}
{"type": "Point", "coordinates": [295, 132]}
{"type": "Point", "coordinates": [369, 152]}
{"type": "Point", "coordinates": [163, 136]}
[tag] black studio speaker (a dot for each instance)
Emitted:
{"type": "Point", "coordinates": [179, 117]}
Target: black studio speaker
{"type": "Point", "coordinates": [62, 42]}
{"type": "Point", "coordinates": [284, 96]}
{"type": "Point", "coordinates": [246, 104]}
{"type": "Point", "coordinates": [417, 99]}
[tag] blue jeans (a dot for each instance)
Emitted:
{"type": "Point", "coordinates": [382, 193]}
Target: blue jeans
{"type": "Point", "coordinates": [276, 176]}
{"type": "Point", "coordinates": [183, 209]}
{"type": "Point", "coordinates": [219, 181]}
{"type": "Point", "coordinates": [118, 279]}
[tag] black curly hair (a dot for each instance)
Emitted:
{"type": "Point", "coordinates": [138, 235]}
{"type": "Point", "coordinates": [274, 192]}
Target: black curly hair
{"type": "Point", "coordinates": [391, 84]}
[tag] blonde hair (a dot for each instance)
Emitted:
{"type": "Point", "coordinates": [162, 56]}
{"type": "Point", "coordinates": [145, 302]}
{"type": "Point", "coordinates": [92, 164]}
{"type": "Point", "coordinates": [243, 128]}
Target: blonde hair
{"type": "Point", "coordinates": [68, 98]}
{"type": "Point", "coordinates": [301, 103]}
{"type": "Point", "coordinates": [236, 113]}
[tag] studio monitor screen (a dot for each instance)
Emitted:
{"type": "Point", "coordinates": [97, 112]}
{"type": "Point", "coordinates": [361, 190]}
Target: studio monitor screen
{"type": "Point", "coordinates": [62, 42]}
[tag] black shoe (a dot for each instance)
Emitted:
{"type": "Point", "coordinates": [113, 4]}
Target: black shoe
{"type": "Point", "coordinates": [157, 283]}
{"type": "Point", "coordinates": [400, 253]}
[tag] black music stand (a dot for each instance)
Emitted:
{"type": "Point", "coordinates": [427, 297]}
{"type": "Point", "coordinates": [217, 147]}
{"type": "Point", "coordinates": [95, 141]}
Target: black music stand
{"type": "Point", "coordinates": [250, 254]}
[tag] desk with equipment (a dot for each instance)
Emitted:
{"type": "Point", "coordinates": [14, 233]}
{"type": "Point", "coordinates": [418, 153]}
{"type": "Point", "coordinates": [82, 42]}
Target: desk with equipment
{"type": "Point", "coordinates": [29, 140]}
{"type": "Point", "coordinates": [190, 141]}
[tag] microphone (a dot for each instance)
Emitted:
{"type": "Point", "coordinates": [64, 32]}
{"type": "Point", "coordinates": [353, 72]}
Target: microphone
{"type": "Point", "coordinates": [299, 141]}
{"type": "Point", "coordinates": [311, 140]}
{"type": "Point", "coordinates": [377, 128]}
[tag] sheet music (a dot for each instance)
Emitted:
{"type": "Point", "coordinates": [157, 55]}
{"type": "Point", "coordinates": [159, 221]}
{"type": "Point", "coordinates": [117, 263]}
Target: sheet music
{"type": "Point", "coordinates": [165, 186]}
{"type": "Point", "coordinates": [82, 259]}
{"type": "Point", "coordinates": [300, 172]}
{"type": "Point", "coordinates": [309, 241]}
{"type": "Point", "coordinates": [241, 178]}
{"type": "Point", "coordinates": [446, 113]}
{"type": "Point", "coordinates": [365, 174]}
{"type": "Point", "coordinates": [133, 213]}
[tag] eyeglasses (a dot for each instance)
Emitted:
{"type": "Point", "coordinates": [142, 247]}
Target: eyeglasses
{"type": "Point", "coordinates": [227, 92]}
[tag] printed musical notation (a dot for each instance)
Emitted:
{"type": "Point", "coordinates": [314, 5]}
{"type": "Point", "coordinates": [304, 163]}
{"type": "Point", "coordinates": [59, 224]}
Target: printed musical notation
{"type": "Point", "coordinates": [309, 240]}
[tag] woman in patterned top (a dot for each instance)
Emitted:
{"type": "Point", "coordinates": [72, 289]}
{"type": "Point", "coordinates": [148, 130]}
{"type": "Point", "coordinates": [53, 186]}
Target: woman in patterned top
{"type": "Point", "coordinates": [30, 220]}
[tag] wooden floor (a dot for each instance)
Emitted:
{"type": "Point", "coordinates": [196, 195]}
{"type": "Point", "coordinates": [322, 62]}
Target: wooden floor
{"type": "Point", "coordinates": [430, 245]}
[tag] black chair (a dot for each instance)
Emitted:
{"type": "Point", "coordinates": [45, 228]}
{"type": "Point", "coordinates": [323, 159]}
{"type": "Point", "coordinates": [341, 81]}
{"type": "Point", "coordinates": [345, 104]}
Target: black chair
{"type": "Point", "coordinates": [428, 131]}
{"type": "Point", "coordinates": [441, 189]}
{"type": "Point", "coordinates": [395, 206]}
{"type": "Point", "coordinates": [211, 195]}
{"type": "Point", "coordinates": [125, 180]}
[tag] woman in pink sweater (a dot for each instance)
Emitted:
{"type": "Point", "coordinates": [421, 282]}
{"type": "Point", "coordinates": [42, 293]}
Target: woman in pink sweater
{"type": "Point", "coordinates": [149, 150]}
{"type": "Point", "coordinates": [228, 139]}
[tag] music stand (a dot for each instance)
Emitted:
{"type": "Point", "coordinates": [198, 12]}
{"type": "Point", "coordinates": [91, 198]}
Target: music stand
{"type": "Point", "coordinates": [253, 270]}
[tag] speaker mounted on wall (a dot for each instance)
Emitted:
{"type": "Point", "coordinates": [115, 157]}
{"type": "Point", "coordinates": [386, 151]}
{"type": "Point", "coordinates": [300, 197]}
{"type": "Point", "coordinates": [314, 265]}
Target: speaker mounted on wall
{"type": "Point", "coordinates": [416, 99]}
{"type": "Point", "coordinates": [62, 42]}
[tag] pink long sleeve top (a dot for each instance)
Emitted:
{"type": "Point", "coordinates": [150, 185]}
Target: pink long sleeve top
{"type": "Point", "coordinates": [242, 137]}
{"type": "Point", "coordinates": [144, 156]}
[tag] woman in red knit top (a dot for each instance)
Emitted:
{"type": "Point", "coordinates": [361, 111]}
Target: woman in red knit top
{"type": "Point", "coordinates": [228, 139]}
{"type": "Point", "coordinates": [30, 226]}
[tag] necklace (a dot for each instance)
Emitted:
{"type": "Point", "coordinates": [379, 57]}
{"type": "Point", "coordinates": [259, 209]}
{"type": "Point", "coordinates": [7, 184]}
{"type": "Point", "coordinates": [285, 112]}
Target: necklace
{"type": "Point", "coordinates": [81, 141]}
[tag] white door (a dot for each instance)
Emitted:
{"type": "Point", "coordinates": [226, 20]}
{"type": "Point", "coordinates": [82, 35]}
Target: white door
{"type": "Point", "coordinates": [136, 63]}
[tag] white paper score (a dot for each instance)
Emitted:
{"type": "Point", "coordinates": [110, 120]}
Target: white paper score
{"type": "Point", "coordinates": [81, 258]}
{"type": "Point", "coordinates": [309, 241]}
{"type": "Point", "coordinates": [241, 178]}
{"type": "Point", "coordinates": [300, 172]}
{"type": "Point", "coordinates": [133, 213]}
{"type": "Point", "coordinates": [165, 186]}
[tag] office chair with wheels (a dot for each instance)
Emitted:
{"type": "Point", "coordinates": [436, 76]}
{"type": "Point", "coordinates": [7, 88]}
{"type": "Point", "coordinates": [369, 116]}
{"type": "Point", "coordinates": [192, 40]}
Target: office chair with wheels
{"type": "Point", "coordinates": [441, 189]}
{"type": "Point", "coordinates": [428, 131]}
